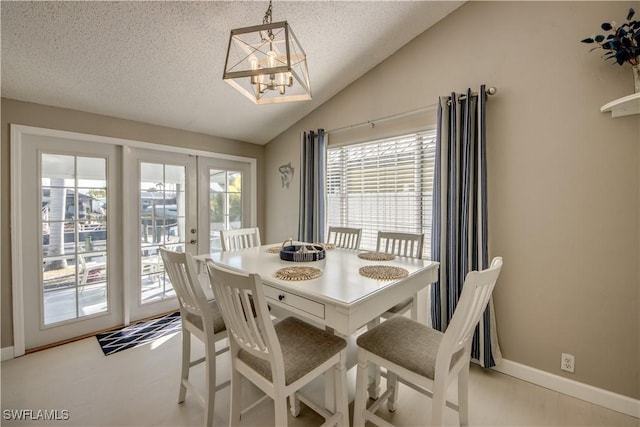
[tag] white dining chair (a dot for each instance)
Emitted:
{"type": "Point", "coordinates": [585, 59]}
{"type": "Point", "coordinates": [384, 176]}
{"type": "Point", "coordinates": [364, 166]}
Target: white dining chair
{"type": "Point", "coordinates": [279, 359]}
{"type": "Point", "coordinates": [423, 358]}
{"type": "Point", "coordinates": [241, 238]}
{"type": "Point", "coordinates": [406, 245]}
{"type": "Point", "coordinates": [344, 237]}
{"type": "Point", "coordinates": [200, 318]}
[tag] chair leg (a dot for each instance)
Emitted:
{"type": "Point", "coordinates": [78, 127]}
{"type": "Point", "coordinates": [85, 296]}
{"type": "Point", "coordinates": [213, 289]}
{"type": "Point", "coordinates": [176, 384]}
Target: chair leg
{"type": "Point", "coordinates": [438, 402]}
{"type": "Point", "coordinates": [392, 384]}
{"type": "Point", "coordinates": [374, 387]}
{"type": "Point", "coordinates": [463, 396]}
{"type": "Point", "coordinates": [235, 397]}
{"type": "Point", "coordinates": [342, 398]}
{"type": "Point", "coordinates": [294, 403]}
{"type": "Point", "coordinates": [362, 380]}
{"type": "Point", "coordinates": [280, 404]}
{"type": "Point", "coordinates": [210, 391]}
{"type": "Point", "coordinates": [186, 359]}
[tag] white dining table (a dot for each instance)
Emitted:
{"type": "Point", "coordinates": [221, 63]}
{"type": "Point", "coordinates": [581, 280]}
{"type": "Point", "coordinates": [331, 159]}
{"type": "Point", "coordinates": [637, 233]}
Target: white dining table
{"type": "Point", "coordinates": [341, 299]}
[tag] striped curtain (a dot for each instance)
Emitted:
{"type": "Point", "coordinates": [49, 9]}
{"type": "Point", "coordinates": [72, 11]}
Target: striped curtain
{"type": "Point", "coordinates": [313, 167]}
{"type": "Point", "coordinates": [459, 233]}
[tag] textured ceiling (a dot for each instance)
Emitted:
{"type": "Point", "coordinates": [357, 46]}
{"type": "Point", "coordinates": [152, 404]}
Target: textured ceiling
{"type": "Point", "coordinates": [162, 62]}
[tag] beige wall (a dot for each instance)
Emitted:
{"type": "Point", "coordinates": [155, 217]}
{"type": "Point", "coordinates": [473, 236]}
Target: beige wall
{"type": "Point", "coordinates": [563, 183]}
{"type": "Point", "coordinates": [75, 121]}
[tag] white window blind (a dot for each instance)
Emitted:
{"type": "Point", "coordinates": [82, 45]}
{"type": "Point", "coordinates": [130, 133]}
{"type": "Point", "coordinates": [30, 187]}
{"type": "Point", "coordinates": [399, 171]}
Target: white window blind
{"type": "Point", "coordinates": [384, 185]}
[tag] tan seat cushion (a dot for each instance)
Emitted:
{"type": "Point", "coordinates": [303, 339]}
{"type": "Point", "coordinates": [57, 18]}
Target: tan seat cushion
{"type": "Point", "coordinates": [304, 348]}
{"type": "Point", "coordinates": [218, 322]}
{"type": "Point", "coordinates": [405, 342]}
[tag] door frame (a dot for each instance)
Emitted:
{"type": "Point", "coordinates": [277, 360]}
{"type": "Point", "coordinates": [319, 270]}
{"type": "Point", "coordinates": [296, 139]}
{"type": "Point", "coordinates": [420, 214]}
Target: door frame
{"type": "Point", "coordinates": [16, 134]}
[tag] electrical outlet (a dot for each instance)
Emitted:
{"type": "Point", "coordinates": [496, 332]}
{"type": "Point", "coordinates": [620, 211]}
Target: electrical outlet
{"type": "Point", "coordinates": [568, 362]}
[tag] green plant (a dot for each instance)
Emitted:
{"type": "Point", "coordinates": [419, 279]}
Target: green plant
{"type": "Point", "coordinates": [623, 44]}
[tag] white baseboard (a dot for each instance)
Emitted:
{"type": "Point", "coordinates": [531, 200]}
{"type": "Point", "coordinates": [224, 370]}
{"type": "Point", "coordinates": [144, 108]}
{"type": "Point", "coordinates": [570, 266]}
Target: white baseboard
{"type": "Point", "coordinates": [597, 396]}
{"type": "Point", "coordinates": [6, 353]}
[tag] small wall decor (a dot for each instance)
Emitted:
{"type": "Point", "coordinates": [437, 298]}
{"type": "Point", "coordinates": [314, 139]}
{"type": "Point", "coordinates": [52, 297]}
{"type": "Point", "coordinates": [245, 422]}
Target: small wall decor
{"type": "Point", "coordinates": [286, 174]}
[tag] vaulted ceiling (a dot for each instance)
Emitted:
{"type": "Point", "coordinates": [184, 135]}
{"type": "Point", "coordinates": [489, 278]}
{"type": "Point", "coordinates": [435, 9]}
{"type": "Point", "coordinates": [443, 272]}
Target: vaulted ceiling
{"type": "Point", "coordinates": [162, 62]}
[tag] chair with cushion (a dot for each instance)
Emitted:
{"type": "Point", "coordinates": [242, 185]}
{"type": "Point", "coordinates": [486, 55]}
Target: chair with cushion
{"type": "Point", "coordinates": [279, 359]}
{"type": "Point", "coordinates": [406, 245]}
{"type": "Point", "coordinates": [345, 237]}
{"type": "Point", "coordinates": [200, 318]}
{"type": "Point", "coordinates": [423, 358]}
{"type": "Point", "coordinates": [241, 238]}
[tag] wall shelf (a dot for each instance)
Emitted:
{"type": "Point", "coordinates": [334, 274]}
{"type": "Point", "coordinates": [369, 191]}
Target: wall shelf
{"type": "Point", "coordinates": [624, 106]}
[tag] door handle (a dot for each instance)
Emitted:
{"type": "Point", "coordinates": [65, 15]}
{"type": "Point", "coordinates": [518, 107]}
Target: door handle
{"type": "Point", "coordinates": [193, 241]}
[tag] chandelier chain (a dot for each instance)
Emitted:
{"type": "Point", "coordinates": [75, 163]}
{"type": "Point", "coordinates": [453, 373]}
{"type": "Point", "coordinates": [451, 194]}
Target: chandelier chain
{"type": "Point", "coordinates": [267, 20]}
{"type": "Point", "coordinates": [267, 14]}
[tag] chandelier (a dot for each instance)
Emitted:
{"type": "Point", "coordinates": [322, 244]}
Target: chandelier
{"type": "Point", "coordinates": [266, 63]}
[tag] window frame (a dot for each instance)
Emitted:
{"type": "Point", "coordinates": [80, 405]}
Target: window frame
{"type": "Point", "coordinates": [394, 175]}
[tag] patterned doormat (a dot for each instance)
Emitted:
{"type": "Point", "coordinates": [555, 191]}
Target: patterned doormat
{"type": "Point", "coordinates": [139, 334]}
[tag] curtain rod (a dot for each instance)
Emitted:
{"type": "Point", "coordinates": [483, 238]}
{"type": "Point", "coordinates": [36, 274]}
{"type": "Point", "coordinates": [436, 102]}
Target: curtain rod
{"type": "Point", "coordinates": [489, 91]}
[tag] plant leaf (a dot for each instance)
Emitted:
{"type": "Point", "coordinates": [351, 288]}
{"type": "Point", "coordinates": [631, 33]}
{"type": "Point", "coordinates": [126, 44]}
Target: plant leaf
{"type": "Point", "coordinates": [631, 13]}
{"type": "Point", "coordinates": [587, 40]}
{"type": "Point", "coordinates": [606, 26]}
{"type": "Point", "coordinates": [622, 56]}
{"type": "Point", "coordinates": [599, 38]}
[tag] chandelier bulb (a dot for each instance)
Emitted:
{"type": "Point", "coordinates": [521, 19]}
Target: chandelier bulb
{"type": "Point", "coordinates": [271, 58]}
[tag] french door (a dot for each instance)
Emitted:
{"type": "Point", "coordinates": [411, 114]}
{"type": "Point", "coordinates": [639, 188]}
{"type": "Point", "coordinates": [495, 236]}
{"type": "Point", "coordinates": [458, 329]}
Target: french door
{"type": "Point", "coordinates": [71, 269]}
{"type": "Point", "coordinates": [162, 213]}
{"type": "Point", "coordinates": [91, 214]}
{"type": "Point", "coordinates": [224, 189]}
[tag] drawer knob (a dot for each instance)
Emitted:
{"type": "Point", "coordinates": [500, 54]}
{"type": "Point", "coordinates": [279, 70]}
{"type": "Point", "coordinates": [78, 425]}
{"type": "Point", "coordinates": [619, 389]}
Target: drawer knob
{"type": "Point", "coordinates": [280, 297]}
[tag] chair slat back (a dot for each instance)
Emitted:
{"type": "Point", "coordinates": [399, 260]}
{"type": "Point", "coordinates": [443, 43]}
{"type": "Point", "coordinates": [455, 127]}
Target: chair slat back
{"type": "Point", "coordinates": [476, 291]}
{"type": "Point", "coordinates": [182, 272]}
{"type": "Point", "coordinates": [233, 240]}
{"type": "Point", "coordinates": [345, 237]}
{"type": "Point", "coordinates": [402, 244]}
{"type": "Point", "coordinates": [237, 296]}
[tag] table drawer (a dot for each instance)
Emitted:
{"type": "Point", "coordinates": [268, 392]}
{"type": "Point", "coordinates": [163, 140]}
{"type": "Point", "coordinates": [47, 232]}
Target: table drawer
{"type": "Point", "coordinates": [295, 301]}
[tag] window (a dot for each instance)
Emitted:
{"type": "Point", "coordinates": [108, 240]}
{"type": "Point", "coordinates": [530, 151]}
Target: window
{"type": "Point", "coordinates": [225, 204]}
{"type": "Point", "coordinates": [384, 185]}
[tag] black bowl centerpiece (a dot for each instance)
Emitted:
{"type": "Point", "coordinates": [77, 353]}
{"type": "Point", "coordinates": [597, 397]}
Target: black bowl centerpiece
{"type": "Point", "coordinates": [301, 253]}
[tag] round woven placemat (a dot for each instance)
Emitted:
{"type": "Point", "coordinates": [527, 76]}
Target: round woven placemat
{"type": "Point", "coordinates": [274, 250]}
{"type": "Point", "coordinates": [376, 256]}
{"type": "Point", "coordinates": [298, 273]}
{"type": "Point", "coordinates": [383, 272]}
{"type": "Point", "coordinates": [328, 246]}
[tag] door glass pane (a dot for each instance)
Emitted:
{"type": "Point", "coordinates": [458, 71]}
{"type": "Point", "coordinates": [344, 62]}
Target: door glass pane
{"type": "Point", "coordinates": [225, 203]}
{"type": "Point", "coordinates": [162, 222]}
{"type": "Point", "coordinates": [74, 236]}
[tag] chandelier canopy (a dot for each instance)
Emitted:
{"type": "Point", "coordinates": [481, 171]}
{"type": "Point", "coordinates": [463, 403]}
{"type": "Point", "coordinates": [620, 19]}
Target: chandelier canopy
{"type": "Point", "coordinates": [266, 63]}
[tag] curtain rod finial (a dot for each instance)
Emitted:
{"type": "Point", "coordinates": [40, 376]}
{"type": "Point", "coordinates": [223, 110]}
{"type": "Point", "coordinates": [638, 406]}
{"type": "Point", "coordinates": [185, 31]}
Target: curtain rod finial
{"type": "Point", "coordinates": [492, 90]}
